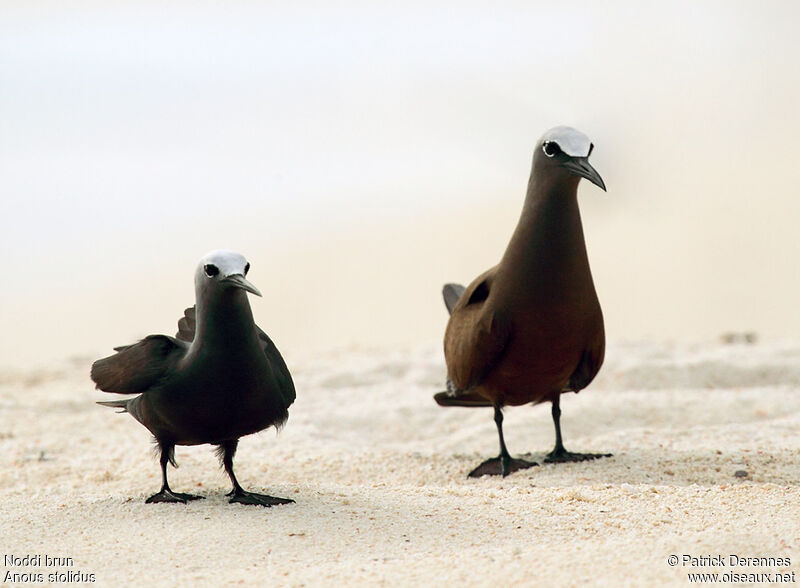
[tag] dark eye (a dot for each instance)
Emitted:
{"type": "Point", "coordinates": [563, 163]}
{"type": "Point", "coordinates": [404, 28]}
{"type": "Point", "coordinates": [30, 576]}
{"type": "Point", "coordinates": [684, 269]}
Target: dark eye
{"type": "Point", "coordinates": [247, 268]}
{"type": "Point", "coordinates": [211, 270]}
{"type": "Point", "coordinates": [551, 148]}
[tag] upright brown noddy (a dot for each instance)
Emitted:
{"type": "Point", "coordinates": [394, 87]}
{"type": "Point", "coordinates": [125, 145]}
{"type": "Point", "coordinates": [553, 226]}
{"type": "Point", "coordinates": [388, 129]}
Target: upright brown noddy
{"type": "Point", "coordinates": [531, 328]}
{"type": "Point", "coordinates": [218, 379]}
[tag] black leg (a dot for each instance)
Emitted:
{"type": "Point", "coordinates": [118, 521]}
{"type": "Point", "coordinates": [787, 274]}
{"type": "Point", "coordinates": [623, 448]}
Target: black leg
{"type": "Point", "coordinates": [555, 410]}
{"type": "Point", "coordinates": [166, 494]}
{"type": "Point", "coordinates": [559, 454]}
{"type": "Point", "coordinates": [503, 464]}
{"type": "Point", "coordinates": [239, 494]}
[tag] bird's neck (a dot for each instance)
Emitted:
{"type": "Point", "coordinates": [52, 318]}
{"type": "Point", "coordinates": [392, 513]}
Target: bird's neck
{"type": "Point", "coordinates": [548, 243]}
{"type": "Point", "coordinates": [225, 320]}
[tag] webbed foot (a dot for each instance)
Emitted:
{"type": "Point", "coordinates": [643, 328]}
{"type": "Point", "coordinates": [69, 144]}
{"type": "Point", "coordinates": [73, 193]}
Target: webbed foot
{"type": "Point", "coordinates": [245, 497]}
{"type": "Point", "coordinates": [501, 466]}
{"type": "Point", "coordinates": [167, 495]}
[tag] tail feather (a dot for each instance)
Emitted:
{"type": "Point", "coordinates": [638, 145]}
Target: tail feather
{"type": "Point", "coordinates": [451, 294]}
{"type": "Point", "coordinates": [123, 404]}
{"type": "Point", "coordinates": [468, 399]}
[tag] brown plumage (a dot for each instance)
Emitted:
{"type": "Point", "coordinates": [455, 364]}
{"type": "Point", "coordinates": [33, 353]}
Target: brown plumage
{"type": "Point", "coordinates": [531, 327]}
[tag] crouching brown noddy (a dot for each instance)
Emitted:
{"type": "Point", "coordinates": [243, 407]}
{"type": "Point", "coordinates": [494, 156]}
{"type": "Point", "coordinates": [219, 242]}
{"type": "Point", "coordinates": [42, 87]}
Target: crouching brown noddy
{"type": "Point", "coordinates": [531, 327]}
{"type": "Point", "coordinates": [220, 378]}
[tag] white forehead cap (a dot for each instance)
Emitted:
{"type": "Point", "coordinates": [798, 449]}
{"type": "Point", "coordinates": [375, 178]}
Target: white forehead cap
{"type": "Point", "coordinates": [571, 141]}
{"type": "Point", "coordinates": [228, 262]}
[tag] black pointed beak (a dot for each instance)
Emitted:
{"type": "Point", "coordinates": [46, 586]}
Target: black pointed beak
{"type": "Point", "coordinates": [580, 166]}
{"type": "Point", "coordinates": [239, 281]}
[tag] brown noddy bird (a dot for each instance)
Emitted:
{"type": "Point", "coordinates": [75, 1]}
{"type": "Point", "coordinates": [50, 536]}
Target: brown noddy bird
{"type": "Point", "coordinates": [530, 328]}
{"type": "Point", "coordinates": [220, 378]}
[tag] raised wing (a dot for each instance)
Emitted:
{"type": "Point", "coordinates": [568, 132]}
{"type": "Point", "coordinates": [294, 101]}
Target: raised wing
{"type": "Point", "coordinates": [187, 325]}
{"type": "Point", "coordinates": [476, 336]}
{"type": "Point", "coordinates": [135, 368]}
{"type": "Point", "coordinates": [451, 294]}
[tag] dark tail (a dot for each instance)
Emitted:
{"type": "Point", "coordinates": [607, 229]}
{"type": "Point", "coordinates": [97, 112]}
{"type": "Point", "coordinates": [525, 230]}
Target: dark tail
{"type": "Point", "coordinates": [468, 399]}
{"type": "Point", "coordinates": [123, 404]}
{"type": "Point", "coordinates": [451, 294]}
{"type": "Point", "coordinates": [454, 397]}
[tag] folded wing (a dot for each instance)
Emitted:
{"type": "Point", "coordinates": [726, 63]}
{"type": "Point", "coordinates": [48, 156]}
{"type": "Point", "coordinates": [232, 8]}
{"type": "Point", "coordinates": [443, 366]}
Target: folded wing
{"type": "Point", "coordinates": [476, 337]}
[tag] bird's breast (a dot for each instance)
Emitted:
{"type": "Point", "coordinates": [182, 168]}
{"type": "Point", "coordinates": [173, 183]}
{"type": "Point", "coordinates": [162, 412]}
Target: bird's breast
{"type": "Point", "coordinates": [210, 400]}
{"type": "Point", "coordinates": [547, 340]}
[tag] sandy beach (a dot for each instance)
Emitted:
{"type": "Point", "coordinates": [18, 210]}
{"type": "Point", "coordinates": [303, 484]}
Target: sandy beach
{"type": "Point", "coordinates": [378, 472]}
{"type": "Point", "coordinates": [361, 155]}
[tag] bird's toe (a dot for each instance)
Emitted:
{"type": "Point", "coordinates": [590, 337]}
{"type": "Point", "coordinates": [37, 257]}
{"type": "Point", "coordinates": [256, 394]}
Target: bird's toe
{"type": "Point", "coordinates": [496, 467]}
{"type": "Point", "coordinates": [167, 495]}
{"type": "Point", "coordinates": [244, 497]}
{"type": "Point", "coordinates": [189, 496]}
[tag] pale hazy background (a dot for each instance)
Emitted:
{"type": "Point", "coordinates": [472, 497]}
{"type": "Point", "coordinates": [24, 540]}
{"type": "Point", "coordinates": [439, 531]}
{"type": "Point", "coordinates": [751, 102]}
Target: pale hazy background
{"type": "Point", "coordinates": [361, 155]}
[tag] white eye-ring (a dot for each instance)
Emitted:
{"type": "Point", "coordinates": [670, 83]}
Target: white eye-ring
{"type": "Point", "coordinates": [551, 148]}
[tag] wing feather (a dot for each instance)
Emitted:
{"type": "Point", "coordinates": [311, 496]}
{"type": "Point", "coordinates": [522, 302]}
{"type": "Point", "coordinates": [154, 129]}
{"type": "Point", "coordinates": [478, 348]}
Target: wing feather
{"type": "Point", "coordinates": [590, 363]}
{"type": "Point", "coordinates": [451, 293]}
{"type": "Point", "coordinates": [279, 367]}
{"type": "Point", "coordinates": [187, 325]}
{"type": "Point", "coordinates": [135, 368]}
{"type": "Point", "coordinates": [476, 336]}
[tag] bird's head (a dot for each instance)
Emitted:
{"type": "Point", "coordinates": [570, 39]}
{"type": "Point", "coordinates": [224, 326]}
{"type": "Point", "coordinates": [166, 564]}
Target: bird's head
{"type": "Point", "coordinates": [564, 150]}
{"type": "Point", "coordinates": [220, 270]}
